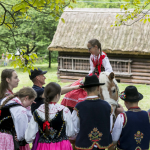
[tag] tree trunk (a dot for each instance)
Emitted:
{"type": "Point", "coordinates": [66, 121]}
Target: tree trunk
{"type": "Point", "coordinates": [49, 59]}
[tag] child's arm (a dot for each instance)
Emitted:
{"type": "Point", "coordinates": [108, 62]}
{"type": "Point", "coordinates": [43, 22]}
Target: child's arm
{"type": "Point", "coordinates": [31, 131]}
{"type": "Point", "coordinates": [76, 121]}
{"type": "Point", "coordinates": [106, 64]}
{"type": "Point", "coordinates": [69, 124]}
{"type": "Point", "coordinates": [117, 128]}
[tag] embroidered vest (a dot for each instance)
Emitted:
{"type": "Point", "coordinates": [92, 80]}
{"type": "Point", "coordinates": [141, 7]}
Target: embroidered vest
{"type": "Point", "coordinates": [136, 131]}
{"type": "Point", "coordinates": [57, 128]}
{"type": "Point", "coordinates": [94, 124]}
{"type": "Point", "coordinates": [6, 122]}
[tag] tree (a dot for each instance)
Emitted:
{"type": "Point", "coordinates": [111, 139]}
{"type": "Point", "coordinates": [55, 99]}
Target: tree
{"type": "Point", "coordinates": [26, 21]}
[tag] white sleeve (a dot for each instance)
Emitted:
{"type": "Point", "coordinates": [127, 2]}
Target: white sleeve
{"type": "Point", "coordinates": [106, 64]}
{"type": "Point", "coordinates": [20, 120]}
{"type": "Point", "coordinates": [76, 121]}
{"type": "Point", "coordinates": [31, 131]}
{"type": "Point", "coordinates": [69, 125]}
{"type": "Point", "coordinates": [117, 128]}
{"type": "Point", "coordinates": [91, 66]}
{"type": "Point", "coordinates": [29, 115]}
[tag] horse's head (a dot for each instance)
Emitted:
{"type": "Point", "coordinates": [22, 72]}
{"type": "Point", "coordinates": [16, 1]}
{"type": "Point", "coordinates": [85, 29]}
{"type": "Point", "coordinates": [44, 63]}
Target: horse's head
{"type": "Point", "coordinates": [109, 91]}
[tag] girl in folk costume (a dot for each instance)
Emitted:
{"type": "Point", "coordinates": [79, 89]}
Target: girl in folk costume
{"type": "Point", "coordinates": [9, 81]}
{"type": "Point", "coordinates": [98, 59]}
{"type": "Point", "coordinates": [53, 121]}
{"type": "Point", "coordinates": [14, 119]}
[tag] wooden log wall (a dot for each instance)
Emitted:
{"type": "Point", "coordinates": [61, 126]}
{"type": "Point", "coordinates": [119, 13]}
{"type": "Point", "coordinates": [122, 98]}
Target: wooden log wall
{"type": "Point", "coordinates": [140, 68]}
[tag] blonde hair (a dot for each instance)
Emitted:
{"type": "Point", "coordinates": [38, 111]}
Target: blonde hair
{"type": "Point", "coordinates": [26, 91]}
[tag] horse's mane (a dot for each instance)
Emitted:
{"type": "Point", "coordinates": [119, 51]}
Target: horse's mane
{"type": "Point", "coordinates": [103, 78]}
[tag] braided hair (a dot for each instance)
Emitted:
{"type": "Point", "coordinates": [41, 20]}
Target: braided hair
{"type": "Point", "coordinates": [26, 91]}
{"type": "Point", "coordinates": [50, 91]}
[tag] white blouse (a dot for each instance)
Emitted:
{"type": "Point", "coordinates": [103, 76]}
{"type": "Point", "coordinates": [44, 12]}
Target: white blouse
{"type": "Point", "coordinates": [105, 63]}
{"type": "Point", "coordinates": [21, 116]}
{"type": "Point", "coordinates": [53, 109]}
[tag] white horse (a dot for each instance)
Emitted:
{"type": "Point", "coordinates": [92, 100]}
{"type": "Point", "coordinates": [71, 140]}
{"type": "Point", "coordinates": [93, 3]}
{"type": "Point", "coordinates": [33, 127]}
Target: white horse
{"type": "Point", "coordinates": [109, 91]}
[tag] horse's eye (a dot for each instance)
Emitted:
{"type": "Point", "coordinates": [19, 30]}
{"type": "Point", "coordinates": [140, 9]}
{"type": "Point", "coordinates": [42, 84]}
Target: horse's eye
{"type": "Point", "coordinates": [114, 91]}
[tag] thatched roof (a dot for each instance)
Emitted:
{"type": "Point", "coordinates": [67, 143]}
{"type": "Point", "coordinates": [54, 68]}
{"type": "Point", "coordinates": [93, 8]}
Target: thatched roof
{"type": "Point", "coordinates": [83, 24]}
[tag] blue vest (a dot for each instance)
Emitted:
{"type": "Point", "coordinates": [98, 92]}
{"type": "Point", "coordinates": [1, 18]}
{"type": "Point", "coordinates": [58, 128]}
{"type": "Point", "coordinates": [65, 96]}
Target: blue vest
{"type": "Point", "coordinates": [136, 131]}
{"type": "Point", "coordinates": [94, 124]}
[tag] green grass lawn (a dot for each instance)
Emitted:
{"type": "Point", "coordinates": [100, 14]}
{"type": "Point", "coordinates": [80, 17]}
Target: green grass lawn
{"type": "Point", "coordinates": [51, 76]}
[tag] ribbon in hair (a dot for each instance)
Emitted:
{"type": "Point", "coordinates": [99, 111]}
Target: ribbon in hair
{"type": "Point", "coordinates": [46, 123]}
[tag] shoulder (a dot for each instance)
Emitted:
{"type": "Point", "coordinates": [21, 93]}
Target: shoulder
{"type": "Point", "coordinates": [103, 53]}
{"type": "Point", "coordinates": [37, 88]}
{"type": "Point", "coordinates": [80, 104]}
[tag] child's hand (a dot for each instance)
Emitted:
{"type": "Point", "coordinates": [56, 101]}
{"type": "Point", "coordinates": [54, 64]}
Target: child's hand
{"type": "Point", "coordinates": [119, 110]}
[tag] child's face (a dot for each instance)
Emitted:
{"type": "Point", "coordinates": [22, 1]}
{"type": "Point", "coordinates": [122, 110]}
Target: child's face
{"type": "Point", "coordinates": [27, 102]}
{"type": "Point", "coordinates": [92, 49]}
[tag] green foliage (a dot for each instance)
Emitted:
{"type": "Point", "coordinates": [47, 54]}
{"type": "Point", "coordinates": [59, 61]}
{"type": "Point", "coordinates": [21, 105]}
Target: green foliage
{"type": "Point", "coordinates": [29, 25]}
{"type": "Point", "coordinates": [139, 12]}
{"type": "Point", "coordinates": [98, 4]}
{"type": "Point", "coordinates": [24, 61]}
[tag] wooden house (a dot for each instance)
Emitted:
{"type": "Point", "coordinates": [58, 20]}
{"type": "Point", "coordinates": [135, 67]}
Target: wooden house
{"type": "Point", "coordinates": [128, 47]}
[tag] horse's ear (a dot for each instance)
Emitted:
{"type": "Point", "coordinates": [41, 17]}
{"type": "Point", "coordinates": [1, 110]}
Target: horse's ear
{"type": "Point", "coordinates": [111, 76]}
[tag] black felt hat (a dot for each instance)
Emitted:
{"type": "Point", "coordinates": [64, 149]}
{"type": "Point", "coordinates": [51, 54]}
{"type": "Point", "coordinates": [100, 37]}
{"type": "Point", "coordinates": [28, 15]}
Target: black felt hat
{"type": "Point", "coordinates": [131, 94]}
{"type": "Point", "coordinates": [91, 81]}
{"type": "Point", "coordinates": [36, 72]}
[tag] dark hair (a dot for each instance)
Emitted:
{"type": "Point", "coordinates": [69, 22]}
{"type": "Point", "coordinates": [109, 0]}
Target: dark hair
{"type": "Point", "coordinates": [26, 91]}
{"type": "Point", "coordinates": [6, 73]}
{"type": "Point", "coordinates": [50, 91]}
{"type": "Point", "coordinates": [90, 89]}
{"type": "Point", "coordinates": [94, 42]}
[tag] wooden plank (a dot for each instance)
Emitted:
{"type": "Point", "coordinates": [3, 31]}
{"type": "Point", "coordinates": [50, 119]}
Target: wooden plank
{"type": "Point", "coordinates": [140, 63]}
{"type": "Point", "coordinates": [134, 81]}
{"type": "Point", "coordinates": [140, 66]}
{"type": "Point", "coordinates": [141, 78]}
{"type": "Point", "coordinates": [141, 74]}
{"type": "Point", "coordinates": [66, 80]}
{"type": "Point", "coordinates": [140, 70]}
{"type": "Point", "coordinates": [70, 77]}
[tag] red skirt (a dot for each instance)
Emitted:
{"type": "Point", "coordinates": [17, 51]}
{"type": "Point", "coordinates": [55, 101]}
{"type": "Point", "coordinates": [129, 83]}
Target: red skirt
{"type": "Point", "coordinates": [75, 96]}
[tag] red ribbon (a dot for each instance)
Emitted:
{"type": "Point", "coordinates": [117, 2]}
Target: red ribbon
{"type": "Point", "coordinates": [0, 112]}
{"type": "Point", "coordinates": [46, 123]}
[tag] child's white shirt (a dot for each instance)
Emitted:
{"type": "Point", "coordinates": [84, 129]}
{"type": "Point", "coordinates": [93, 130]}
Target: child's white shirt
{"type": "Point", "coordinates": [53, 109]}
{"type": "Point", "coordinates": [105, 63]}
{"type": "Point", "coordinates": [116, 132]}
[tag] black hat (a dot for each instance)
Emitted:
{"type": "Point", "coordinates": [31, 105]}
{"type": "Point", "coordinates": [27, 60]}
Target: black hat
{"type": "Point", "coordinates": [91, 81]}
{"type": "Point", "coordinates": [36, 72]}
{"type": "Point", "coordinates": [131, 94]}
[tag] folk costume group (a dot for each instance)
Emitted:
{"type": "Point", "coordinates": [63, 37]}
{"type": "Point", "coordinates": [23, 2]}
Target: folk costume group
{"type": "Point", "coordinates": [33, 115]}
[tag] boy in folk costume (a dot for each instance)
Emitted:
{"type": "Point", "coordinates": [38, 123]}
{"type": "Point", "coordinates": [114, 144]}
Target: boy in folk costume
{"type": "Point", "coordinates": [132, 128]}
{"type": "Point", "coordinates": [98, 60]}
{"type": "Point", "coordinates": [92, 118]}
